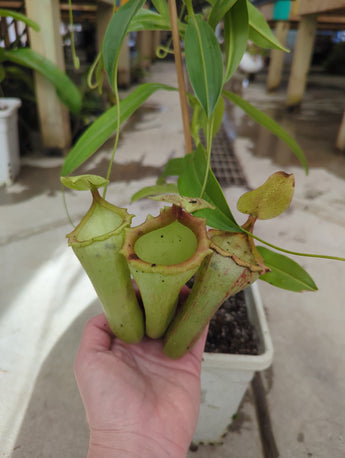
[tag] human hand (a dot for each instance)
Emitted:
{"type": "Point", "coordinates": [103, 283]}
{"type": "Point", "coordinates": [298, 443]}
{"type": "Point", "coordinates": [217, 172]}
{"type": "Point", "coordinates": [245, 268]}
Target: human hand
{"type": "Point", "coordinates": [138, 402]}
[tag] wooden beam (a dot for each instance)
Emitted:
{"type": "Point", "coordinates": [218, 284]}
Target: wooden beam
{"type": "Point", "coordinates": [53, 115]}
{"type": "Point", "coordinates": [333, 20]}
{"type": "Point", "coordinates": [65, 7]}
{"type": "Point", "coordinates": [319, 6]}
{"type": "Point", "coordinates": [275, 69]}
{"type": "Point", "coordinates": [11, 5]}
{"type": "Point", "coordinates": [267, 10]}
{"type": "Point", "coordinates": [301, 60]}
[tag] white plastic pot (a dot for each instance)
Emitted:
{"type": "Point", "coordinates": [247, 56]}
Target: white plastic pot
{"type": "Point", "coordinates": [9, 141]}
{"type": "Point", "coordinates": [225, 377]}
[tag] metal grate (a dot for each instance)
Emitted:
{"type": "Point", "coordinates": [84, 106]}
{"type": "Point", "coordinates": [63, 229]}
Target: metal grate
{"type": "Point", "coordinates": [224, 163]}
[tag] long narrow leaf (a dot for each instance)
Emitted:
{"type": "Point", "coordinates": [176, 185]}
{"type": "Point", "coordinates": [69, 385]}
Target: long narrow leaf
{"type": "Point", "coordinates": [148, 20]}
{"type": "Point", "coordinates": [105, 125]}
{"type": "Point", "coordinates": [115, 34]}
{"type": "Point", "coordinates": [260, 32]}
{"type": "Point", "coordinates": [204, 63]}
{"type": "Point", "coordinates": [149, 191]}
{"type": "Point", "coordinates": [20, 17]}
{"type": "Point", "coordinates": [285, 273]}
{"type": "Point", "coordinates": [66, 90]}
{"type": "Point", "coordinates": [270, 124]}
{"type": "Point", "coordinates": [219, 10]}
{"type": "Point", "coordinates": [162, 7]}
{"type": "Point", "coordinates": [174, 167]}
{"type": "Point", "coordinates": [235, 36]}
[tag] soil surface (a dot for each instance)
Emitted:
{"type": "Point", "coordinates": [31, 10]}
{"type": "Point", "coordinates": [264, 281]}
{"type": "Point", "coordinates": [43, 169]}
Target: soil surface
{"type": "Point", "coordinates": [230, 329]}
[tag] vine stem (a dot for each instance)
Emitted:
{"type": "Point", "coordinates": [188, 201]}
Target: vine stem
{"type": "Point", "coordinates": [117, 98]}
{"type": "Point", "coordinates": [180, 75]}
{"type": "Point", "coordinates": [75, 58]}
{"type": "Point", "coordinates": [209, 129]}
{"type": "Point", "coordinates": [296, 253]}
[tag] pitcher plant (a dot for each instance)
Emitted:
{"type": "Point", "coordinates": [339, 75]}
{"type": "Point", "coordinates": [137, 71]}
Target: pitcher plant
{"type": "Point", "coordinates": [138, 272]}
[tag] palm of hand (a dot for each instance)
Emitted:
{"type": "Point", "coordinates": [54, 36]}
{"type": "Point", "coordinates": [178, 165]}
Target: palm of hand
{"type": "Point", "coordinates": [137, 390]}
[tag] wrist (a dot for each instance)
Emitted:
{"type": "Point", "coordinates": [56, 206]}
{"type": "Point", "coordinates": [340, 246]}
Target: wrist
{"type": "Point", "coordinates": [112, 444]}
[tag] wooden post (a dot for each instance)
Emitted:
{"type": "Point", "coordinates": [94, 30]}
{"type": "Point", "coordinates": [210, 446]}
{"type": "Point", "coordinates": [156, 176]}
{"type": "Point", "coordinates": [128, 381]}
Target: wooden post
{"type": "Point", "coordinates": [144, 46]}
{"type": "Point", "coordinates": [53, 115]}
{"type": "Point", "coordinates": [275, 69]}
{"type": "Point", "coordinates": [301, 60]}
{"type": "Point", "coordinates": [341, 135]}
{"type": "Point", "coordinates": [103, 16]}
{"type": "Point", "coordinates": [156, 41]}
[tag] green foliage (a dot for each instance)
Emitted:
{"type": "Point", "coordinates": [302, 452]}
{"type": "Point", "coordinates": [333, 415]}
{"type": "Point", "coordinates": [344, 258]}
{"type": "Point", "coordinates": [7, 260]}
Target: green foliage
{"type": "Point", "coordinates": [260, 32]}
{"type": "Point", "coordinates": [104, 126]}
{"type": "Point", "coordinates": [84, 182]}
{"type": "Point", "coordinates": [20, 17]}
{"type": "Point", "coordinates": [150, 191]}
{"type": "Point", "coordinates": [262, 118]}
{"type": "Point", "coordinates": [269, 200]}
{"type": "Point", "coordinates": [115, 34]}
{"type": "Point", "coordinates": [285, 273]}
{"type": "Point", "coordinates": [209, 67]}
{"type": "Point", "coordinates": [236, 31]}
{"type": "Point", "coordinates": [190, 184]}
{"type": "Point", "coordinates": [219, 10]}
{"type": "Point", "coordinates": [204, 63]}
{"type": "Point", "coordinates": [66, 90]}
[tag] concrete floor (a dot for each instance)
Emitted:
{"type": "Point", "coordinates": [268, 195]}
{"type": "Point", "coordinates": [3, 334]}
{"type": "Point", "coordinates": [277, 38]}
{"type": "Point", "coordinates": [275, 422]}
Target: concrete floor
{"type": "Point", "coordinates": [46, 299]}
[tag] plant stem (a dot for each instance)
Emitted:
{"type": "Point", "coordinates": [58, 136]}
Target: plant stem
{"type": "Point", "coordinates": [65, 205]}
{"type": "Point", "coordinates": [296, 253]}
{"type": "Point", "coordinates": [117, 98]}
{"type": "Point", "coordinates": [75, 58]}
{"type": "Point", "coordinates": [209, 129]}
{"type": "Point", "coordinates": [180, 76]}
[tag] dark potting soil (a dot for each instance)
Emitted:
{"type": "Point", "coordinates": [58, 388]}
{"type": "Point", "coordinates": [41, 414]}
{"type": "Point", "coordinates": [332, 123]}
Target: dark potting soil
{"type": "Point", "coordinates": [230, 329]}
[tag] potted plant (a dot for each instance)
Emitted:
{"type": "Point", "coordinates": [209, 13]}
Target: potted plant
{"type": "Point", "coordinates": [164, 252]}
{"type": "Point", "coordinates": [9, 143]}
{"type": "Point", "coordinates": [12, 60]}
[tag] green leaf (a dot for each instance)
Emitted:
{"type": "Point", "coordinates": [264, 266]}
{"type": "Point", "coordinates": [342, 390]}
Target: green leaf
{"type": "Point", "coordinates": [235, 36]}
{"type": "Point", "coordinates": [269, 200]}
{"type": "Point", "coordinates": [84, 182]}
{"type": "Point", "coordinates": [154, 190]}
{"type": "Point", "coordinates": [20, 17]}
{"type": "Point", "coordinates": [285, 273]}
{"type": "Point", "coordinates": [260, 32]}
{"type": "Point", "coordinates": [219, 10]}
{"type": "Point", "coordinates": [263, 119]}
{"type": "Point", "coordinates": [204, 63]}
{"type": "Point", "coordinates": [200, 121]}
{"type": "Point", "coordinates": [105, 125]}
{"type": "Point", "coordinates": [190, 184]}
{"type": "Point", "coordinates": [189, 204]}
{"type": "Point", "coordinates": [174, 167]}
{"type": "Point", "coordinates": [149, 20]}
{"type": "Point", "coordinates": [217, 116]}
{"type": "Point", "coordinates": [115, 34]}
{"type": "Point", "coordinates": [66, 90]}
{"type": "Point", "coordinates": [162, 7]}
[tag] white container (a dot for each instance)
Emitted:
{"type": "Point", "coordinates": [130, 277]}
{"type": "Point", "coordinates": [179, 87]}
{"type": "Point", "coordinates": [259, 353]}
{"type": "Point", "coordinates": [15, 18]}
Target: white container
{"type": "Point", "coordinates": [9, 140]}
{"type": "Point", "coordinates": [225, 377]}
